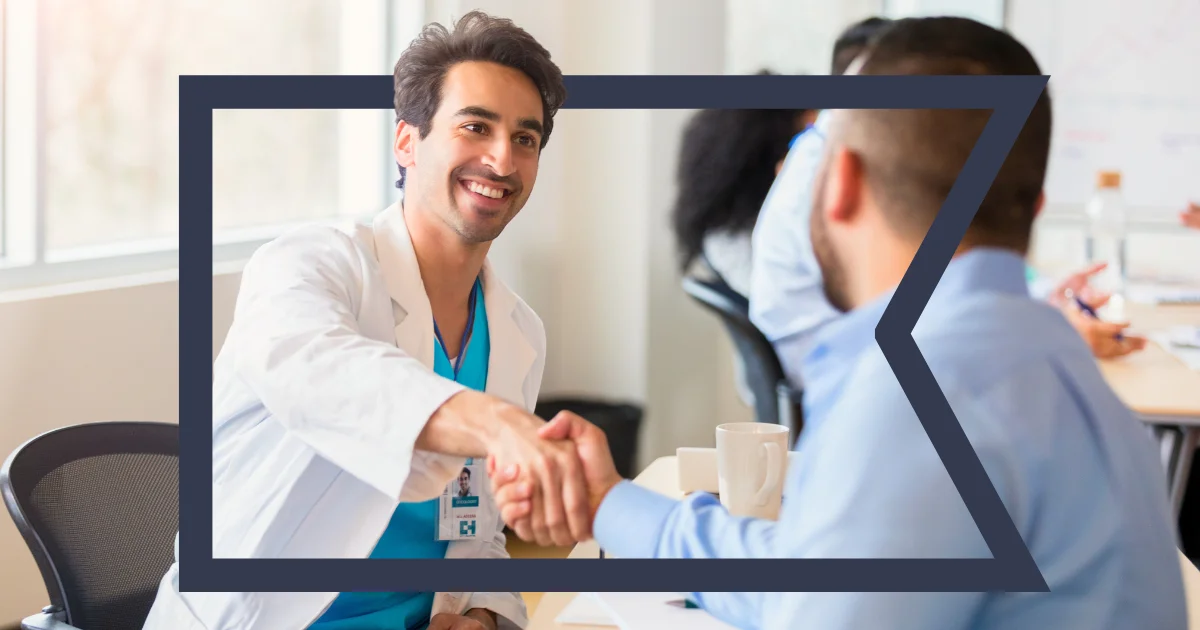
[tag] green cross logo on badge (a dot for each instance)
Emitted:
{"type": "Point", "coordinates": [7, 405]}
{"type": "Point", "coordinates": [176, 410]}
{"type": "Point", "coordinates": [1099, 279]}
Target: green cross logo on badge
{"type": "Point", "coordinates": [466, 528]}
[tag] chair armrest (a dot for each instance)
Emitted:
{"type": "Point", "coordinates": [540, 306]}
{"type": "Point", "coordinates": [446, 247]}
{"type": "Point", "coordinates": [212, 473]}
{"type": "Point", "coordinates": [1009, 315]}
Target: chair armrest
{"type": "Point", "coordinates": [48, 619]}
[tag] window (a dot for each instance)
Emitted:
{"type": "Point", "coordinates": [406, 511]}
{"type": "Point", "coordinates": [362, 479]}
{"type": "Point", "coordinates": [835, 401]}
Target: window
{"type": "Point", "coordinates": [89, 103]}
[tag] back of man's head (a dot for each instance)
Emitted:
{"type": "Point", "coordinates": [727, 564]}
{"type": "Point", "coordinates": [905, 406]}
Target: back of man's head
{"type": "Point", "coordinates": [912, 158]}
{"type": "Point", "coordinates": [854, 40]}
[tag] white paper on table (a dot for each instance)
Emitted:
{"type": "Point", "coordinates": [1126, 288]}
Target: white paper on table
{"type": "Point", "coordinates": [1150, 293]}
{"type": "Point", "coordinates": [650, 611]}
{"type": "Point", "coordinates": [585, 610]}
{"type": "Point", "coordinates": [1188, 355]}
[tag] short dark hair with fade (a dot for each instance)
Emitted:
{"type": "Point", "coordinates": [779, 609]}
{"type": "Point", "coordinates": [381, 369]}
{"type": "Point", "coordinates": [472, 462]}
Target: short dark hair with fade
{"type": "Point", "coordinates": [477, 36]}
{"type": "Point", "coordinates": [854, 40]}
{"type": "Point", "coordinates": [911, 158]}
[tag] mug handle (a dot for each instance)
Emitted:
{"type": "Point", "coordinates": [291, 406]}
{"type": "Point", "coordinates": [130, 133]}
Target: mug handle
{"type": "Point", "coordinates": [772, 480]}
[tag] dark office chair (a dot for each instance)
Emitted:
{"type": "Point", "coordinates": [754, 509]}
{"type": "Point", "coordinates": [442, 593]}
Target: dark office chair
{"type": "Point", "coordinates": [98, 505]}
{"type": "Point", "coordinates": [775, 400]}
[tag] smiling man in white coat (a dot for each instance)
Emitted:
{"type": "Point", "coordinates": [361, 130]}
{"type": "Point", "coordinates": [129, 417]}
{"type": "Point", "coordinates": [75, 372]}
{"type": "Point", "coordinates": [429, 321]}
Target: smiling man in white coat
{"type": "Point", "coordinates": [366, 367]}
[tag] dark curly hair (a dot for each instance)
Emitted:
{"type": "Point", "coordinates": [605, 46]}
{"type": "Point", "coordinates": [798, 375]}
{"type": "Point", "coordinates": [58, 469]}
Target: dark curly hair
{"type": "Point", "coordinates": [726, 166]}
{"type": "Point", "coordinates": [422, 67]}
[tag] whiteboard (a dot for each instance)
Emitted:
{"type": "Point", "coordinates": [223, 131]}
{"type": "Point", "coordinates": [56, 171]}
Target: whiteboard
{"type": "Point", "coordinates": [1125, 87]}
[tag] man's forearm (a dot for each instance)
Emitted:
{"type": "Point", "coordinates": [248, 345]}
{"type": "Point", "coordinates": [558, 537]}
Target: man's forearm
{"type": "Point", "coordinates": [465, 424]}
{"type": "Point", "coordinates": [635, 522]}
{"type": "Point", "coordinates": [483, 616]}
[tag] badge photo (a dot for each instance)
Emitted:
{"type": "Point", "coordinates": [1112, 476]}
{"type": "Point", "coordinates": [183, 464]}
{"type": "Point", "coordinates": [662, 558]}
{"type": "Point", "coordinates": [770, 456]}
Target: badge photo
{"type": "Point", "coordinates": [460, 503]}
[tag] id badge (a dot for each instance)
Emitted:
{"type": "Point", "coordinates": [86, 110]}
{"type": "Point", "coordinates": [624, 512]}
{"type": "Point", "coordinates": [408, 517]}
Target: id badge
{"type": "Point", "coordinates": [459, 505]}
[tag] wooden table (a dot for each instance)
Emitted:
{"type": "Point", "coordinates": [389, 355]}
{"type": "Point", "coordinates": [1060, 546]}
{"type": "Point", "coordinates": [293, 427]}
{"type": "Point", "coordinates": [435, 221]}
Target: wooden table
{"type": "Point", "coordinates": [662, 475]}
{"type": "Point", "coordinates": [1162, 390]}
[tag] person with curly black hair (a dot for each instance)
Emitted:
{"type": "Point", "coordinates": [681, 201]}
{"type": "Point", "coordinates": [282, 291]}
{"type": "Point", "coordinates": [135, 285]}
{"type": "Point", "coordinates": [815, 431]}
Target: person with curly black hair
{"type": "Point", "coordinates": [727, 161]}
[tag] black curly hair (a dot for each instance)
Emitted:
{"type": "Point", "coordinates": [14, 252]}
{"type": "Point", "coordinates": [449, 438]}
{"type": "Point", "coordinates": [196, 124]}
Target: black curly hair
{"type": "Point", "coordinates": [726, 166]}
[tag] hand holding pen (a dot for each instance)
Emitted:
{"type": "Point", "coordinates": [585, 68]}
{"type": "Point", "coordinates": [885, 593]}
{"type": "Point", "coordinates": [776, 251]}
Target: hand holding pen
{"type": "Point", "coordinates": [1083, 306]}
{"type": "Point", "coordinates": [1108, 340]}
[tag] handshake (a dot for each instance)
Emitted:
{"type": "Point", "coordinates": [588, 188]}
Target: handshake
{"type": "Point", "coordinates": [549, 478]}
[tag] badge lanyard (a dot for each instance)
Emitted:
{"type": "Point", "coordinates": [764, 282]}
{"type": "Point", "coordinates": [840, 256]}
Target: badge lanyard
{"type": "Point", "coordinates": [462, 347]}
{"type": "Point", "coordinates": [458, 516]}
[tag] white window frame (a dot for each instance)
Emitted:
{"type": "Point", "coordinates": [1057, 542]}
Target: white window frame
{"type": "Point", "coordinates": [366, 170]}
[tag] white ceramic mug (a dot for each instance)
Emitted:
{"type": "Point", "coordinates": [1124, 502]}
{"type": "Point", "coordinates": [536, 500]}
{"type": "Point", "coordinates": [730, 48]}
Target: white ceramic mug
{"type": "Point", "coordinates": [751, 465]}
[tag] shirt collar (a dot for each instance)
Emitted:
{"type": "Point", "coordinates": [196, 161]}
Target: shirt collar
{"type": "Point", "coordinates": [983, 270]}
{"type": "Point", "coordinates": [979, 270]}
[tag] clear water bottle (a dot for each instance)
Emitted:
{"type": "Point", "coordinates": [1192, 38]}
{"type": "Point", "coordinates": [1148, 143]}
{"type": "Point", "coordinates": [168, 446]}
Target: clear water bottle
{"type": "Point", "coordinates": [1106, 234]}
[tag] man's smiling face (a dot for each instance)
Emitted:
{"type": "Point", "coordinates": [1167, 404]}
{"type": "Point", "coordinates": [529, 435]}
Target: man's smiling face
{"type": "Point", "coordinates": [478, 165]}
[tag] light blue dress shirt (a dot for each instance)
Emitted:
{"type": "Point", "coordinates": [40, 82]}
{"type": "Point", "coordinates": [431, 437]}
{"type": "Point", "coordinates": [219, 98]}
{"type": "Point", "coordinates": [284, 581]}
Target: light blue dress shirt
{"type": "Point", "coordinates": [412, 532]}
{"type": "Point", "coordinates": [787, 302]}
{"type": "Point", "coordinates": [1076, 470]}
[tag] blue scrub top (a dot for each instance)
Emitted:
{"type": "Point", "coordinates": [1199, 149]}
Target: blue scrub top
{"type": "Point", "coordinates": [412, 531]}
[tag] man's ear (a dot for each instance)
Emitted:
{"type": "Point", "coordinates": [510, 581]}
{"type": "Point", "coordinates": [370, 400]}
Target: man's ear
{"type": "Point", "coordinates": [1039, 204]}
{"type": "Point", "coordinates": [404, 144]}
{"type": "Point", "coordinates": [843, 188]}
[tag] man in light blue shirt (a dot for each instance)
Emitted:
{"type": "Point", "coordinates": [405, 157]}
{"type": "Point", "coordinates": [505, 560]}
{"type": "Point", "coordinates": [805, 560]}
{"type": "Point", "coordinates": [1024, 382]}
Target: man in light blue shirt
{"type": "Point", "coordinates": [1078, 474]}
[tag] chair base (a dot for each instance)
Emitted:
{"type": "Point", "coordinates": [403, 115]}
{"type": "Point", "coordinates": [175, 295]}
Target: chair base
{"type": "Point", "coordinates": [46, 621]}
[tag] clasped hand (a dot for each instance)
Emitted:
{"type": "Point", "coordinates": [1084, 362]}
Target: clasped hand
{"type": "Point", "coordinates": [549, 480]}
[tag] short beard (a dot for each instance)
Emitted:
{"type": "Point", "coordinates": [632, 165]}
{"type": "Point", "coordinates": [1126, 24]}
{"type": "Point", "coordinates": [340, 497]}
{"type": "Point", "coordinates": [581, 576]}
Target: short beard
{"type": "Point", "coordinates": [833, 273]}
{"type": "Point", "coordinates": [474, 233]}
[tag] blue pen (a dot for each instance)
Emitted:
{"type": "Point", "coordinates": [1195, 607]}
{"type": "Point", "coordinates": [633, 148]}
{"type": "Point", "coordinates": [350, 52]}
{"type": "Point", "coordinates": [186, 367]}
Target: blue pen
{"type": "Point", "coordinates": [1092, 313]}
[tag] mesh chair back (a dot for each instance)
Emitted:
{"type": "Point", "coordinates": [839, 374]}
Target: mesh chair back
{"type": "Point", "coordinates": [764, 373]}
{"type": "Point", "coordinates": [98, 506]}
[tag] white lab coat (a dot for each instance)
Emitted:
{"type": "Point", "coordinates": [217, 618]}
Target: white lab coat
{"type": "Point", "coordinates": [324, 382]}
